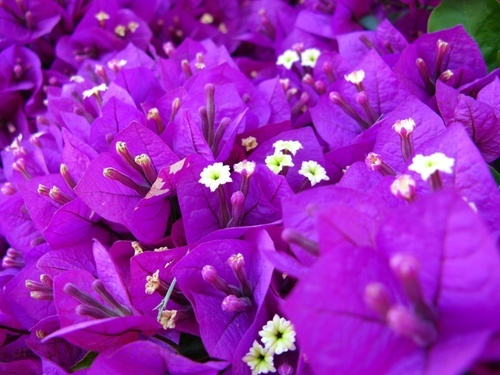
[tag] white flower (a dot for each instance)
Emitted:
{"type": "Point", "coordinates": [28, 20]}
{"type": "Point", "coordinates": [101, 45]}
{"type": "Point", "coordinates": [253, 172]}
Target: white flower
{"type": "Point", "coordinates": [408, 125]}
{"type": "Point", "coordinates": [101, 16]}
{"type": "Point", "coordinates": [248, 166]}
{"type": "Point", "coordinates": [167, 319]}
{"type": "Point", "coordinates": [314, 172]}
{"type": "Point", "coordinates": [152, 282]}
{"type": "Point", "coordinates": [287, 58]}
{"type": "Point", "coordinates": [355, 77]}
{"type": "Point", "coordinates": [278, 335]}
{"type": "Point", "coordinates": [249, 143]}
{"type": "Point", "coordinates": [277, 161]}
{"type": "Point", "coordinates": [132, 26]}
{"type": "Point", "coordinates": [207, 18]}
{"type": "Point", "coordinates": [259, 360]}
{"type": "Point", "coordinates": [309, 57]}
{"type": "Point", "coordinates": [403, 186]}
{"type": "Point", "coordinates": [215, 175]}
{"type": "Point", "coordinates": [120, 30]}
{"type": "Point", "coordinates": [290, 146]}
{"type": "Point", "coordinates": [427, 165]}
{"type": "Point", "coordinates": [116, 65]}
{"type": "Point", "coordinates": [77, 79]}
{"type": "Point", "coordinates": [94, 90]}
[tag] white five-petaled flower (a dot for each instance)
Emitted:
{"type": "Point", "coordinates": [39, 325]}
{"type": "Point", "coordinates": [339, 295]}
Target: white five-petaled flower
{"type": "Point", "coordinates": [309, 57]}
{"type": "Point", "coordinates": [132, 26]}
{"type": "Point", "coordinates": [215, 175]}
{"type": "Point", "coordinates": [408, 125]}
{"type": "Point", "coordinates": [94, 90]}
{"type": "Point", "coordinates": [290, 146]}
{"type": "Point", "coordinates": [116, 65]}
{"type": "Point", "coordinates": [278, 335]}
{"type": "Point", "coordinates": [355, 77]}
{"type": "Point", "coordinates": [404, 186]}
{"type": "Point", "coordinates": [101, 16]}
{"type": "Point", "coordinates": [245, 165]}
{"type": "Point", "coordinates": [425, 166]}
{"type": "Point", "coordinates": [249, 143]}
{"type": "Point", "coordinates": [259, 359]}
{"type": "Point", "coordinates": [120, 30]}
{"type": "Point", "coordinates": [314, 172]}
{"type": "Point", "coordinates": [287, 58]}
{"type": "Point", "coordinates": [277, 161]}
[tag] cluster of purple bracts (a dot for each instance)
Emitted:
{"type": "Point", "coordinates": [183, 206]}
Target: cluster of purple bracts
{"type": "Point", "coordinates": [246, 187]}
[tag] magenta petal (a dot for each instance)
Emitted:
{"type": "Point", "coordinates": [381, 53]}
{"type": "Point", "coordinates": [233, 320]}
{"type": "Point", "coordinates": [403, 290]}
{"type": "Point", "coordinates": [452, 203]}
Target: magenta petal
{"type": "Point", "coordinates": [74, 224]}
{"type": "Point", "coordinates": [110, 199]}
{"type": "Point", "coordinates": [150, 359]}
{"type": "Point", "coordinates": [108, 273]}
{"type": "Point", "coordinates": [150, 219]}
{"type": "Point", "coordinates": [103, 334]}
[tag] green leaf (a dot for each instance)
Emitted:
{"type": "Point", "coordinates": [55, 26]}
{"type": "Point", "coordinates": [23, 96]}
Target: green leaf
{"type": "Point", "coordinates": [495, 174]}
{"type": "Point", "coordinates": [85, 362]}
{"type": "Point", "coordinates": [369, 22]}
{"type": "Point", "coordinates": [481, 19]}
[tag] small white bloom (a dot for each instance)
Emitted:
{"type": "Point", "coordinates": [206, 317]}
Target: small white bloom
{"type": "Point", "coordinates": [152, 282]}
{"type": "Point", "coordinates": [248, 166]}
{"type": "Point", "coordinates": [425, 166]}
{"type": "Point", "coordinates": [132, 26]}
{"type": "Point", "coordinates": [223, 28]}
{"type": "Point", "coordinates": [137, 250]}
{"type": "Point", "coordinates": [278, 335]}
{"type": "Point", "coordinates": [167, 319]}
{"type": "Point", "coordinates": [309, 57]}
{"type": "Point", "coordinates": [314, 172]}
{"type": "Point", "coordinates": [95, 90]}
{"type": "Point", "coordinates": [207, 18]}
{"type": "Point", "coordinates": [249, 143]}
{"type": "Point", "coordinates": [101, 16]}
{"type": "Point", "coordinates": [404, 186]}
{"type": "Point", "coordinates": [287, 58]}
{"type": "Point", "coordinates": [153, 113]}
{"type": "Point", "coordinates": [441, 44]}
{"type": "Point", "coordinates": [215, 175]}
{"type": "Point", "coordinates": [259, 360]}
{"type": "Point", "coordinates": [77, 79]}
{"type": "Point", "coordinates": [408, 125]}
{"type": "Point", "coordinates": [120, 30]}
{"type": "Point", "coordinates": [116, 65]}
{"type": "Point", "coordinates": [290, 146]}
{"type": "Point", "coordinates": [277, 161]}
{"type": "Point", "coordinates": [355, 77]}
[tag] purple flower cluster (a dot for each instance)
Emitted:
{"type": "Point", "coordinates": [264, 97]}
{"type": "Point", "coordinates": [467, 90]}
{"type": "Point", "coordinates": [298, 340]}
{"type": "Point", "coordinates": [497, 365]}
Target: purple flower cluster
{"type": "Point", "coordinates": [246, 187]}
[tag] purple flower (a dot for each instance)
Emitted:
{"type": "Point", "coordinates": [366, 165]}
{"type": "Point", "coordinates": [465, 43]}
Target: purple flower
{"type": "Point", "coordinates": [154, 358]}
{"type": "Point", "coordinates": [25, 21]}
{"type": "Point", "coordinates": [405, 294]}
{"type": "Point", "coordinates": [96, 314]}
{"type": "Point", "coordinates": [227, 279]}
{"type": "Point", "coordinates": [126, 180]}
{"type": "Point", "coordinates": [442, 55]}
